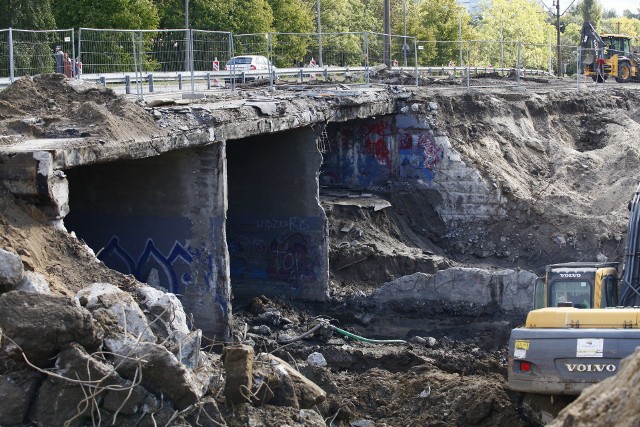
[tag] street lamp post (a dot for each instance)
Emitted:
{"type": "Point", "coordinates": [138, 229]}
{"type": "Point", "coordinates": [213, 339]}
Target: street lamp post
{"type": "Point", "coordinates": [460, 34]}
{"type": "Point", "coordinates": [501, 45]}
{"type": "Point", "coordinates": [319, 33]}
{"type": "Point", "coordinates": [405, 46]}
{"type": "Point", "coordinates": [187, 59]}
{"type": "Point", "coordinates": [460, 10]}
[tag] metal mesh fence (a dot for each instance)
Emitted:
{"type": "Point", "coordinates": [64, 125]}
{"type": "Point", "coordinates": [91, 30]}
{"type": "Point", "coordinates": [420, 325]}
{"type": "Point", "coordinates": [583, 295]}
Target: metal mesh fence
{"type": "Point", "coordinates": [251, 44]}
{"type": "Point", "coordinates": [569, 62]}
{"type": "Point", "coordinates": [539, 57]}
{"type": "Point", "coordinates": [5, 47]}
{"type": "Point", "coordinates": [291, 50]}
{"type": "Point", "coordinates": [343, 49]}
{"type": "Point", "coordinates": [36, 52]}
{"type": "Point", "coordinates": [388, 49]}
{"type": "Point", "coordinates": [211, 50]}
{"type": "Point", "coordinates": [128, 51]}
{"type": "Point", "coordinates": [441, 53]}
{"type": "Point", "coordinates": [189, 60]}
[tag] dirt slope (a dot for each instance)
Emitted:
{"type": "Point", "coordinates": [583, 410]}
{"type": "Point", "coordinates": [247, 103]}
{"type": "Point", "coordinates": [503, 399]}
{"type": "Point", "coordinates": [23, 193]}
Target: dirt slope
{"type": "Point", "coordinates": [565, 163]}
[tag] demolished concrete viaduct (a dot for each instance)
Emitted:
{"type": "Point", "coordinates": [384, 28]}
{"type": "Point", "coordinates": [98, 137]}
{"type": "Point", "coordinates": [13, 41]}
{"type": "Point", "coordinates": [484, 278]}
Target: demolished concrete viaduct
{"type": "Point", "coordinates": [226, 195]}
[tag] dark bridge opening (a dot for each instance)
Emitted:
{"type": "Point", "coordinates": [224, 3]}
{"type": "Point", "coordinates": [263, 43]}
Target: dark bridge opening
{"type": "Point", "coordinates": [276, 229]}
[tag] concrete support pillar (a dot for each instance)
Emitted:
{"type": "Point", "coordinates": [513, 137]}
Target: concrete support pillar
{"type": "Point", "coordinates": [31, 176]}
{"type": "Point", "coordinates": [162, 219]}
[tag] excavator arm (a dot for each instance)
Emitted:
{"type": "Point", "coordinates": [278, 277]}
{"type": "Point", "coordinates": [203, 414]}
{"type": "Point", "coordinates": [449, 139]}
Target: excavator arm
{"type": "Point", "coordinates": [630, 295]}
{"type": "Point", "coordinates": [591, 44]}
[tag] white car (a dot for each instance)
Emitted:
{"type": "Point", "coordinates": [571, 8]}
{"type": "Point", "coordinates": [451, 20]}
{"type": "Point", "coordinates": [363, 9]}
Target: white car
{"type": "Point", "coordinates": [250, 64]}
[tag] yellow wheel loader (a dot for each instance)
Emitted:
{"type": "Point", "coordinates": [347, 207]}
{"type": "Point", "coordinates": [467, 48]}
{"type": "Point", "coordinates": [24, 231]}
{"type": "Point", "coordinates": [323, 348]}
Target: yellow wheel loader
{"type": "Point", "coordinates": [579, 329]}
{"type": "Point", "coordinates": [608, 55]}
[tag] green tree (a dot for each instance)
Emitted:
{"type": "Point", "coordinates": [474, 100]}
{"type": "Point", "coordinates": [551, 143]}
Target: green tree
{"type": "Point", "coordinates": [627, 13]}
{"type": "Point", "coordinates": [120, 14]}
{"type": "Point", "coordinates": [339, 17]}
{"type": "Point", "coordinates": [237, 16]}
{"type": "Point", "coordinates": [626, 26]}
{"type": "Point", "coordinates": [590, 10]}
{"type": "Point", "coordinates": [27, 14]}
{"type": "Point", "coordinates": [511, 21]}
{"type": "Point", "coordinates": [292, 16]}
{"type": "Point", "coordinates": [438, 26]}
{"type": "Point", "coordinates": [32, 52]}
{"type": "Point", "coordinates": [609, 13]}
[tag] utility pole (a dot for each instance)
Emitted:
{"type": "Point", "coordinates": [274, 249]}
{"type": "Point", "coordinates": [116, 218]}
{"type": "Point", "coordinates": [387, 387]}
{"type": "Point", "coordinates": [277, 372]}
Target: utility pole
{"type": "Point", "coordinates": [405, 47]}
{"type": "Point", "coordinates": [187, 57]}
{"type": "Point", "coordinates": [319, 34]}
{"type": "Point", "coordinates": [560, 73]}
{"type": "Point", "coordinates": [387, 33]}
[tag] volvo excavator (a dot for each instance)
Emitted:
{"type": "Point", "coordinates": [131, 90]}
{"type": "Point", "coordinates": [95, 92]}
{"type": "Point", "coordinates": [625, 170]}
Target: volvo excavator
{"type": "Point", "coordinates": [608, 55]}
{"type": "Point", "coordinates": [579, 329]}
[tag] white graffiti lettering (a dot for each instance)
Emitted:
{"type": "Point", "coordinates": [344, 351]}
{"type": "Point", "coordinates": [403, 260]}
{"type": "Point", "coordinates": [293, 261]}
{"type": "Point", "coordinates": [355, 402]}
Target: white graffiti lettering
{"type": "Point", "coordinates": [293, 223]}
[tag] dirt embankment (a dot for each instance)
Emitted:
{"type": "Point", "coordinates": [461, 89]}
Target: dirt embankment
{"type": "Point", "coordinates": [564, 162]}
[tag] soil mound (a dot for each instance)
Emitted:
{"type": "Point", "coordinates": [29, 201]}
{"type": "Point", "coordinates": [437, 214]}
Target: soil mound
{"type": "Point", "coordinates": [53, 106]}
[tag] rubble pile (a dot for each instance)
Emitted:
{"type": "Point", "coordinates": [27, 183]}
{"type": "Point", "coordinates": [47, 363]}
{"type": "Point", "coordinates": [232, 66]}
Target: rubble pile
{"type": "Point", "coordinates": [125, 358]}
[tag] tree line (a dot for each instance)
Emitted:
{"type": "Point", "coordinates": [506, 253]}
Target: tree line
{"type": "Point", "coordinates": [525, 20]}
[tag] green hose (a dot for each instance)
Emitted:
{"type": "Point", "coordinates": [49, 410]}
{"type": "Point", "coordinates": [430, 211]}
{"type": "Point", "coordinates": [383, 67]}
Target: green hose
{"type": "Point", "coordinates": [359, 338]}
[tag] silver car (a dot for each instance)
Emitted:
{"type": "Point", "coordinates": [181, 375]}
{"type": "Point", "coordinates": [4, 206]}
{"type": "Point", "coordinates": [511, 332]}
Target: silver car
{"type": "Point", "coordinates": [257, 65]}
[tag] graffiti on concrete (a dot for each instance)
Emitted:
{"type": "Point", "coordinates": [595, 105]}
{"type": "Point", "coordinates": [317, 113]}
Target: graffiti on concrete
{"type": "Point", "coordinates": [360, 154]}
{"type": "Point", "coordinates": [375, 143]}
{"type": "Point", "coordinates": [364, 154]}
{"type": "Point", "coordinates": [283, 253]}
{"type": "Point", "coordinates": [171, 272]}
{"type": "Point", "coordinates": [419, 154]}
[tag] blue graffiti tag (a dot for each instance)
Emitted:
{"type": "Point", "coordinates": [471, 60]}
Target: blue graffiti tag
{"type": "Point", "coordinates": [151, 256]}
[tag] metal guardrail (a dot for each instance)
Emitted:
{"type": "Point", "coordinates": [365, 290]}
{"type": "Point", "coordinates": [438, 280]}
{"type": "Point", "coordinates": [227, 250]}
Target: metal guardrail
{"type": "Point", "coordinates": [209, 80]}
{"type": "Point", "coordinates": [144, 61]}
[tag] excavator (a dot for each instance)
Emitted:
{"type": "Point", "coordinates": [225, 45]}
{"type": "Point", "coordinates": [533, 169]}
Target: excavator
{"type": "Point", "coordinates": [586, 319]}
{"type": "Point", "coordinates": [608, 55]}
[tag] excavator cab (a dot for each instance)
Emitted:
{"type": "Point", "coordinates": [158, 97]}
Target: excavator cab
{"type": "Point", "coordinates": [616, 44]}
{"type": "Point", "coordinates": [578, 285]}
{"type": "Point", "coordinates": [607, 55]}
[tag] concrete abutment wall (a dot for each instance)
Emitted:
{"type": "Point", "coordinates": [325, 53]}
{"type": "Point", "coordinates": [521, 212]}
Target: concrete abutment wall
{"type": "Point", "coordinates": [161, 219]}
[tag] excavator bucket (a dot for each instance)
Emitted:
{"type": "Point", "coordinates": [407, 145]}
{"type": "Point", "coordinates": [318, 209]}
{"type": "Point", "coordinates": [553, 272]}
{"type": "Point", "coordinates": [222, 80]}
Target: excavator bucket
{"type": "Point", "coordinates": [590, 43]}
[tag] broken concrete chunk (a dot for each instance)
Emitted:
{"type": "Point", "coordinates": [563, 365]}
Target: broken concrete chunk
{"type": "Point", "coordinates": [120, 305]}
{"type": "Point", "coordinates": [426, 341]}
{"type": "Point", "coordinates": [261, 330]}
{"type": "Point", "coordinates": [11, 270]}
{"type": "Point", "coordinates": [41, 325]}
{"type": "Point", "coordinates": [266, 108]}
{"type": "Point", "coordinates": [286, 380]}
{"type": "Point", "coordinates": [59, 400]}
{"type": "Point", "coordinates": [34, 282]}
{"type": "Point", "coordinates": [316, 359]}
{"type": "Point", "coordinates": [506, 289]}
{"type": "Point", "coordinates": [238, 366]}
{"type": "Point", "coordinates": [165, 305]}
{"type": "Point", "coordinates": [206, 415]}
{"type": "Point", "coordinates": [16, 392]}
{"type": "Point", "coordinates": [161, 372]}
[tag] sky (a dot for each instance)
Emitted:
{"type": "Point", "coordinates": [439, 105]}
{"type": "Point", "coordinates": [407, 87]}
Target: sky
{"type": "Point", "coordinates": [620, 5]}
